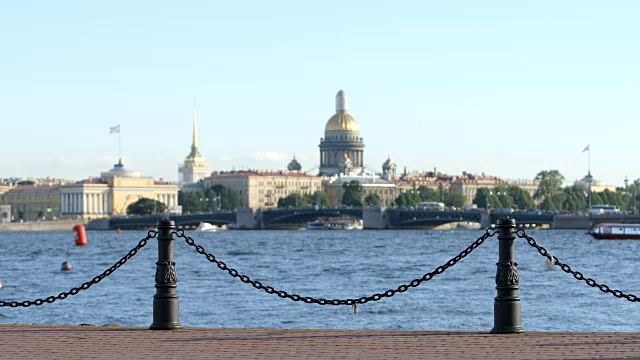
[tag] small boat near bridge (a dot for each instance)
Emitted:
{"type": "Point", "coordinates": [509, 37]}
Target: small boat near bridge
{"type": "Point", "coordinates": [616, 231]}
{"type": "Point", "coordinates": [205, 226]}
{"type": "Point", "coordinates": [335, 224]}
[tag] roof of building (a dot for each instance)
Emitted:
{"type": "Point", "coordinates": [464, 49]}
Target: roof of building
{"type": "Point", "coordinates": [119, 170]}
{"type": "Point", "coordinates": [35, 188]}
{"type": "Point", "coordinates": [261, 173]}
{"type": "Point", "coordinates": [342, 121]}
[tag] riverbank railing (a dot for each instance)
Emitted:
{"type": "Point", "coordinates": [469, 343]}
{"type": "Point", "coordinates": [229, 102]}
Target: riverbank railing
{"type": "Point", "coordinates": [507, 311]}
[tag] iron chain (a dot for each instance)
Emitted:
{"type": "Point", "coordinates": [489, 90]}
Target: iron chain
{"type": "Point", "coordinates": [86, 285]}
{"type": "Point", "coordinates": [576, 274]}
{"type": "Point", "coordinates": [352, 301]}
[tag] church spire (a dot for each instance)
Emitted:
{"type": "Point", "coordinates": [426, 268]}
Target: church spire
{"type": "Point", "coordinates": [194, 144]}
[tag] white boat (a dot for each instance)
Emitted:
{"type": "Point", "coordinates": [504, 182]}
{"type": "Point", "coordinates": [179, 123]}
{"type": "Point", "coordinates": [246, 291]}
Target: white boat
{"type": "Point", "coordinates": [612, 231]}
{"type": "Point", "coordinates": [334, 224]}
{"type": "Point", "coordinates": [205, 226]}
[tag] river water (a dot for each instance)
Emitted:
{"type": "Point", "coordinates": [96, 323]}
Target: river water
{"type": "Point", "coordinates": [329, 264]}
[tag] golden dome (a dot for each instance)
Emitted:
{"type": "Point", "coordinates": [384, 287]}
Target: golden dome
{"type": "Point", "coordinates": [342, 121]}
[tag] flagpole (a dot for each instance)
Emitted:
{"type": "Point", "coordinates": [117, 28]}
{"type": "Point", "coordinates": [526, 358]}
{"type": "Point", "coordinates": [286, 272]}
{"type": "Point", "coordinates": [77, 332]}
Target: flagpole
{"type": "Point", "coordinates": [119, 144]}
{"type": "Point", "coordinates": [589, 160]}
{"type": "Point", "coordinates": [589, 177]}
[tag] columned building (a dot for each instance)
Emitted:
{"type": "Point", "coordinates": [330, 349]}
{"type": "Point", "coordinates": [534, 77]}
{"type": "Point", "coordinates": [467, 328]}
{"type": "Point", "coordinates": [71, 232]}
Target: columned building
{"type": "Point", "coordinates": [112, 193]}
{"type": "Point", "coordinates": [341, 149]}
{"type": "Point", "coordinates": [194, 168]}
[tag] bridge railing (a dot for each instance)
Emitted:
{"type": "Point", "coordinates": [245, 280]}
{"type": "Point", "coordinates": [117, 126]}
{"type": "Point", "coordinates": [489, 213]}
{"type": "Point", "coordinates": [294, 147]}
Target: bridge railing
{"type": "Point", "coordinates": [507, 311]}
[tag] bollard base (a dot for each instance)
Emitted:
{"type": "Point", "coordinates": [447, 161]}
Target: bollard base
{"type": "Point", "coordinates": [507, 330]}
{"type": "Point", "coordinates": [506, 316]}
{"type": "Point", "coordinates": [165, 326]}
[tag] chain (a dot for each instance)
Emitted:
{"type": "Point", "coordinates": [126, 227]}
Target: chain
{"type": "Point", "coordinates": [351, 302]}
{"type": "Point", "coordinates": [86, 285]}
{"type": "Point", "coordinates": [576, 274]}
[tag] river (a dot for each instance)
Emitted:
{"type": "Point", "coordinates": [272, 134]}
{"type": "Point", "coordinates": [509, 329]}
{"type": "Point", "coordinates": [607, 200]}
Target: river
{"type": "Point", "coordinates": [329, 264]}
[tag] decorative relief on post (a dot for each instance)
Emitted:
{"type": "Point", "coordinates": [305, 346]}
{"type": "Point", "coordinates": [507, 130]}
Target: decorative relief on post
{"type": "Point", "coordinates": [166, 272]}
{"type": "Point", "coordinates": [507, 273]}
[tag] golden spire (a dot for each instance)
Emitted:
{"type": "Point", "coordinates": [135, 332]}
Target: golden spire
{"type": "Point", "coordinates": [194, 144]}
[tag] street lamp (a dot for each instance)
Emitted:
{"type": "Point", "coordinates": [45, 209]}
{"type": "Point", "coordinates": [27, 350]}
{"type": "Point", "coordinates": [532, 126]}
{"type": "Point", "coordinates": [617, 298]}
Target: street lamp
{"type": "Point", "coordinates": [589, 180]}
{"type": "Point", "coordinates": [626, 193]}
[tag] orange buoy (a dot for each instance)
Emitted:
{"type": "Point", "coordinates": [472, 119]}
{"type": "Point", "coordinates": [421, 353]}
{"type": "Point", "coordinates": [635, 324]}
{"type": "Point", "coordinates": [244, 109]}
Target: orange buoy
{"type": "Point", "coordinates": [118, 231]}
{"type": "Point", "coordinates": [81, 235]}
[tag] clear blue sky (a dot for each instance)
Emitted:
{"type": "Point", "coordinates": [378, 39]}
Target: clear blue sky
{"type": "Point", "coordinates": [501, 87]}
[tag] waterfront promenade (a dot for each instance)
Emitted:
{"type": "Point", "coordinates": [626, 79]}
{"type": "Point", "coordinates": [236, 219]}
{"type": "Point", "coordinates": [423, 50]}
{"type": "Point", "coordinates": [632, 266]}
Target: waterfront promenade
{"type": "Point", "coordinates": [115, 342]}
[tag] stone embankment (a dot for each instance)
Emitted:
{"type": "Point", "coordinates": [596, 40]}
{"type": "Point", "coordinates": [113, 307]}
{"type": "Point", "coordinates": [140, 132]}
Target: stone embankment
{"type": "Point", "coordinates": [57, 225]}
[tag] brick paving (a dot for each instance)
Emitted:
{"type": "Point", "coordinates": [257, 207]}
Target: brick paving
{"type": "Point", "coordinates": [104, 342]}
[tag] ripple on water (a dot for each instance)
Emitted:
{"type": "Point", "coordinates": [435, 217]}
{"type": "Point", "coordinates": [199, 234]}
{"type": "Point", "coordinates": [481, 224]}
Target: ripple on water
{"type": "Point", "coordinates": [326, 264]}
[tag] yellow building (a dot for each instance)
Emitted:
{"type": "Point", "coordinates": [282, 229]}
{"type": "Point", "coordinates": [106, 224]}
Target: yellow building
{"type": "Point", "coordinates": [112, 193]}
{"type": "Point", "coordinates": [33, 202]}
{"type": "Point", "coordinates": [263, 189]}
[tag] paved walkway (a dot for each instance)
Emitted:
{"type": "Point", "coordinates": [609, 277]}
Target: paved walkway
{"type": "Point", "coordinates": [89, 342]}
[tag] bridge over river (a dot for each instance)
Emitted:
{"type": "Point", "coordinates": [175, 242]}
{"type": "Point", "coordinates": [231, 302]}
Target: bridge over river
{"type": "Point", "coordinates": [373, 218]}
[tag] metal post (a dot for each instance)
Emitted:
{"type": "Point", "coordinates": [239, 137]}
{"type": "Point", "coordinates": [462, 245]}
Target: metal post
{"type": "Point", "coordinates": [506, 307]}
{"type": "Point", "coordinates": [165, 301]}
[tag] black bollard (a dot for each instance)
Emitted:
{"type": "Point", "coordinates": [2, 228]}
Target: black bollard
{"type": "Point", "coordinates": [165, 301]}
{"type": "Point", "coordinates": [506, 307]}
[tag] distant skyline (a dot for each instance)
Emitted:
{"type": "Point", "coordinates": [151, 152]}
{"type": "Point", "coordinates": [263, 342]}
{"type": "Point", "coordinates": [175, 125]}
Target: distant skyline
{"type": "Point", "coordinates": [501, 88]}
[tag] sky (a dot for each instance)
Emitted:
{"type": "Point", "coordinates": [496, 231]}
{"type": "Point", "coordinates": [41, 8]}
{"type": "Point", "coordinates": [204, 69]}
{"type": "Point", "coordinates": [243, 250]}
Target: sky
{"type": "Point", "coordinates": [503, 88]}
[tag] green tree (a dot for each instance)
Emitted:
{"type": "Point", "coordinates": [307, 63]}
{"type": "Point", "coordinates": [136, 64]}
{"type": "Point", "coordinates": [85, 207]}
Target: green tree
{"type": "Point", "coordinates": [230, 200]}
{"type": "Point", "coordinates": [521, 198]}
{"type": "Point", "coordinates": [318, 198]}
{"type": "Point", "coordinates": [190, 201]}
{"type": "Point", "coordinates": [492, 198]}
{"type": "Point", "coordinates": [353, 193]}
{"type": "Point", "coordinates": [441, 193]}
{"type": "Point", "coordinates": [547, 204]}
{"type": "Point", "coordinates": [372, 199]}
{"type": "Point", "coordinates": [40, 214]}
{"type": "Point", "coordinates": [428, 194]}
{"type": "Point", "coordinates": [26, 182]}
{"type": "Point", "coordinates": [454, 199]}
{"type": "Point", "coordinates": [294, 199]}
{"type": "Point", "coordinates": [145, 206]}
{"type": "Point", "coordinates": [482, 198]}
{"type": "Point", "coordinates": [21, 215]}
{"type": "Point", "coordinates": [549, 183]}
{"type": "Point", "coordinates": [411, 198]}
{"type": "Point", "coordinates": [576, 199]}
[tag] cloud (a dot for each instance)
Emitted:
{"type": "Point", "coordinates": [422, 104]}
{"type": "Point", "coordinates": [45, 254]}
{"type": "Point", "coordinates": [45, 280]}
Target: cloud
{"type": "Point", "coordinates": [268, 155]}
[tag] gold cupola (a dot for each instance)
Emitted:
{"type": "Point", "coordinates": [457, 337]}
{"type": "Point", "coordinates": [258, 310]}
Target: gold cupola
{"type": "Point", "coordinates": [341, 121]}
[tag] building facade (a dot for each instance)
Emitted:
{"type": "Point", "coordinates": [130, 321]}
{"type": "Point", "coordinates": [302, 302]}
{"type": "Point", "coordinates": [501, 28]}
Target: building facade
{"type": "Point", "coordinates": [263, 189]}
{"type": "Point", "coordinates": [386, 190]}
{"type": "Point", "coordinates": [33, 202]}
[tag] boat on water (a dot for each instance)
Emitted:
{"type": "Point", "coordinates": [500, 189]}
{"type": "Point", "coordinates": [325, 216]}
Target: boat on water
{"type": "Point", "coordinates": [205, 226]}
{"type": "Point", "coordinates": [334, 224]}
{"type": "Point", "coordinates": [614, 231]}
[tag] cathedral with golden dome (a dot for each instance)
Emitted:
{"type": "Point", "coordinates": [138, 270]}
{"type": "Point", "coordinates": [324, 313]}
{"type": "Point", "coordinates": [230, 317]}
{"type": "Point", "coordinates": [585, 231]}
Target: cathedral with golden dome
{"type": "Point", "coordinates": [341, 149]}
